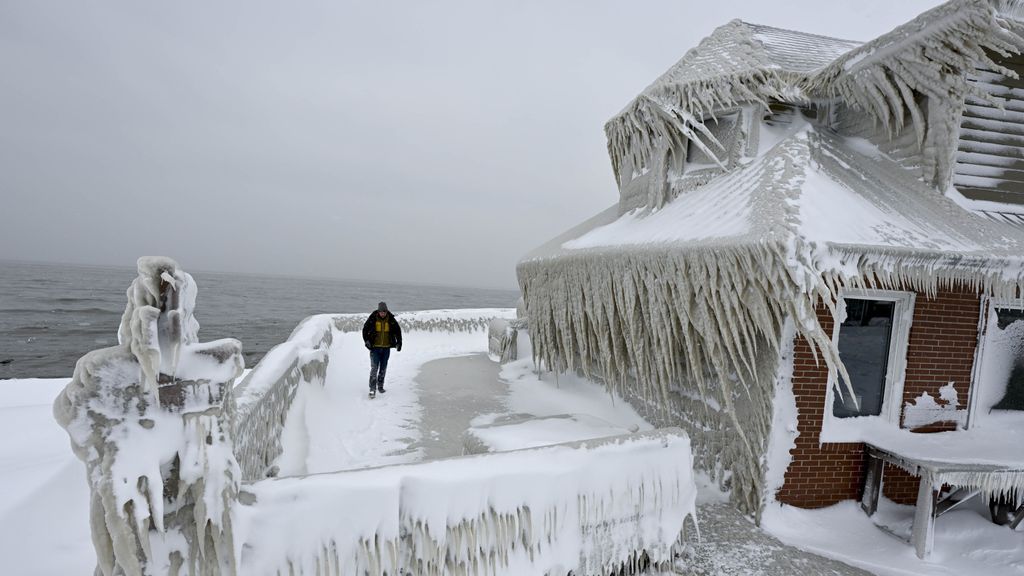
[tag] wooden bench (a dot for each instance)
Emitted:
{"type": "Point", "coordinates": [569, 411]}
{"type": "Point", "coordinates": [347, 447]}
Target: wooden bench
{"type": "Point", "coordinates": [964, 476]}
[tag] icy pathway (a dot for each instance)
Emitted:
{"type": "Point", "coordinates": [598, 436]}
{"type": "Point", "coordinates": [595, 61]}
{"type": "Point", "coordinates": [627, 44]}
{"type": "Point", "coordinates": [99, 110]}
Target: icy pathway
{"type": "Point", "coordinates": [347, 429]}
{"type": "Point", "coordinates": [454, 391]}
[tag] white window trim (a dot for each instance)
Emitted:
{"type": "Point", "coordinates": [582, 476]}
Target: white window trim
{"type": "Point", "coordinates": [843, 429]}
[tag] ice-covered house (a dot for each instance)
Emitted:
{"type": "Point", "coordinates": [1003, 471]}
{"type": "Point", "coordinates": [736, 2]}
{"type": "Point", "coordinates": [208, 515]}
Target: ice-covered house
{"type": "Point", "coordinates": [818, 247]}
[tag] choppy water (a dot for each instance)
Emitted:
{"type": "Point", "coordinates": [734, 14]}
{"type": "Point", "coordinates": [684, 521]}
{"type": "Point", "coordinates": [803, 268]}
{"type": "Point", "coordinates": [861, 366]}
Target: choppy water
{"type": "Point", "coordinates": [50, 315]}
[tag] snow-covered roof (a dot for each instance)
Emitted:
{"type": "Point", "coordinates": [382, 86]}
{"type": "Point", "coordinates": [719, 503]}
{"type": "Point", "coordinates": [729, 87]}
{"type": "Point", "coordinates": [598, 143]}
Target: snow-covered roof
{"type": "Point", "coordinates": [742, 63]}
{"type": "Point", "coordinates": [834, 194]}
{"type": "Point", "coordinates": [743, 48]}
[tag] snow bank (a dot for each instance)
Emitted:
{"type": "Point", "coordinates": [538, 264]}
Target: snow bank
{"type": "Point", "coordinates": [966, 542]}
{"type": "Point", "coordinates": [588, 507]}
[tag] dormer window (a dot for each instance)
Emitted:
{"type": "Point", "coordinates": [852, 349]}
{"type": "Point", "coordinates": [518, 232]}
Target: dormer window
{"type": "Point", "coordinates": [725, 129]}
{"type": "Point", "coordinates": [990, 153]}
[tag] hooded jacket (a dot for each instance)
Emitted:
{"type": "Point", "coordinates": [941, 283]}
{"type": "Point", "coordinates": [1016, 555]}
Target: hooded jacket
{"type": "Point", "coordinates": [394, 330]}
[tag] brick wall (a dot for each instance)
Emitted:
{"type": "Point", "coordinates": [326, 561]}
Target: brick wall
{"type": "Point", "coordinates": [943, 337]}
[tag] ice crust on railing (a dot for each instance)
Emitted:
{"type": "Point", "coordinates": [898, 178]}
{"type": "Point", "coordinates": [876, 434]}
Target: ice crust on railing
{"type": "Point", "coordinates": [462, 320]}
{"type": "Point", "coordinates": [151, 420]}
{"type": "Point", "coordinates": [609, 506]}
{"type": "Point", "coordinates": [265, 395]}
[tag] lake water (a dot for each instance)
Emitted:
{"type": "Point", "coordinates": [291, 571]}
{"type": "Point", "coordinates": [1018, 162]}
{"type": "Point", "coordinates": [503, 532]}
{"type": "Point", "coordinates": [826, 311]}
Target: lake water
{"type": "Point", "coordinates": [50, 315]}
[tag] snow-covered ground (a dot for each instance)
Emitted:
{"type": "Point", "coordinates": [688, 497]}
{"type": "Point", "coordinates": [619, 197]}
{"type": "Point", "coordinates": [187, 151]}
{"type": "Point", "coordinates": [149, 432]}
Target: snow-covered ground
{"type": "Point", "coordinates": [44, 498]}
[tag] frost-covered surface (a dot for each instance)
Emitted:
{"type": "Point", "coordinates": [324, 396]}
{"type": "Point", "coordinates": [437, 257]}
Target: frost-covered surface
{"type": "Point", "coordinates": [782, 440]}
{"type": "Point", "coordinates": [925, 410]}
{"type": "Point", "coordinates": [152, 421]}
{"type": "Point", "coordinates": [1002, 353]}
{"type": "Point", "coordinates": [588, 507]}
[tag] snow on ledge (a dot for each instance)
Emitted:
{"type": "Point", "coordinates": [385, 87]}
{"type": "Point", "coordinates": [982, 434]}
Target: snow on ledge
{"type": "Point", "coordinates": [585, 507]}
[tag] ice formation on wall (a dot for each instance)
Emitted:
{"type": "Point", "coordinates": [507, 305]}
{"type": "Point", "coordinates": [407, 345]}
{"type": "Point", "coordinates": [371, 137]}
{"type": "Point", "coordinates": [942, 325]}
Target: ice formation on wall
{"type": "Point", "coordinates": [264, 397]}
{"type": "Point", "coordinates": [602, 507]}
{"type": "Point", "coordinates": [924, 410]}
{"type": "Point", "coordinates": [151, 419]}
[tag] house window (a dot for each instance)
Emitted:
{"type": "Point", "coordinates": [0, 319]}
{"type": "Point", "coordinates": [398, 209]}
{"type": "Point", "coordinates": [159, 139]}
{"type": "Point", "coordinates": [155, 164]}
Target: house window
{"type": "Point", "coordinates": [1001, 375]}
{"type": "Point", "coordinates": [872, 343]}
{"type": "Point", "coordinates": [864, 341]}
{"type": "Point", "coordinates": [724, 128]}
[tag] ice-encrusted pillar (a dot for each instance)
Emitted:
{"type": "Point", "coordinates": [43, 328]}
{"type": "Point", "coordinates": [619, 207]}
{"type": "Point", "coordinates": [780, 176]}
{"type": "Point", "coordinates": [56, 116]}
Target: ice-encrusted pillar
{"type": "Point", "coordinates": [151, 418]}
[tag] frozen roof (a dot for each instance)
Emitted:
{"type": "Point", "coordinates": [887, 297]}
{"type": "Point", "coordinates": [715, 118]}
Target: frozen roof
{"type": "Point", "coordinates": [743, 48]}
{"type": "Point", "coordinates": [744, 63]}
{"type": "Point", "coordinates": [837, 194]}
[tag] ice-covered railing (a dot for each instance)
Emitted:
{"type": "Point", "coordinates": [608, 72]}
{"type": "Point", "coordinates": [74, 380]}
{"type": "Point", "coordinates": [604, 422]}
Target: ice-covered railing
{"type": "Point", "coordinates": [263, 398]}
{"type": "Point", "coordinates": [610, 506]}
{"type": "Point", "coordinates": [462, 320]}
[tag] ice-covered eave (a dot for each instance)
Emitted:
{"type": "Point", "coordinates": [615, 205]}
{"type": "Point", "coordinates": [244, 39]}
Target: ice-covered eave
{"type": "Point", "coordinates": [669, 115]}
{"type": "Point", "coordinates": [924, 270]}
{"type": "Point", "coordinates": [715, 302]}
{"type": "Point", "coordinates": [658, 316]}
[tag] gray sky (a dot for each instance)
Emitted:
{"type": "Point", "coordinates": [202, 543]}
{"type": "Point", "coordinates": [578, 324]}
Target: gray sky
{"type": "Point", "coordinates": [431, 142]}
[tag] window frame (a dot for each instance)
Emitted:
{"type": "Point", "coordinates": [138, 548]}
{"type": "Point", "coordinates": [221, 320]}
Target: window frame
{"type": "Point", "coordinates": [896, 370]}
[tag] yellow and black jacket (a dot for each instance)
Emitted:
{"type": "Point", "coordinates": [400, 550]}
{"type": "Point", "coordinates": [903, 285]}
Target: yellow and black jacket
{"type": "Point", "coordinates": [382, 332]}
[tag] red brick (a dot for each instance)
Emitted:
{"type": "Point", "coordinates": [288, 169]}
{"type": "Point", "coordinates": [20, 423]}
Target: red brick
{"type": "Point", "coordinates": [943, 338]}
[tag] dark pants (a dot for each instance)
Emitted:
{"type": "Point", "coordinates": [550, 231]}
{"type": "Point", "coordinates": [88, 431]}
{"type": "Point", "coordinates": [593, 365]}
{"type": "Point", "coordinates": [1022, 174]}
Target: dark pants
{"type": "Point", "coordinates": [378, 367]}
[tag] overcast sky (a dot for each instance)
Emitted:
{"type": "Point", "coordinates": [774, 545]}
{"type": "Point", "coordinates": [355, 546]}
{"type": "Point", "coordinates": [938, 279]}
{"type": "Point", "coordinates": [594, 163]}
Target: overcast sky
{"type": "Point", "coordinates": [431, 142]}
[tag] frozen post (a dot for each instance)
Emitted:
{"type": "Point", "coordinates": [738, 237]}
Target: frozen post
{"type": "Point", "coordinates": [151, 419]}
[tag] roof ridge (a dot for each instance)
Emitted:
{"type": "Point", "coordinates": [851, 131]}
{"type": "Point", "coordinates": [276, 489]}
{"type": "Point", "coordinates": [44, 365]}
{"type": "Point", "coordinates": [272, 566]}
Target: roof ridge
{"type": "Point", "coordinates": [758, 26]}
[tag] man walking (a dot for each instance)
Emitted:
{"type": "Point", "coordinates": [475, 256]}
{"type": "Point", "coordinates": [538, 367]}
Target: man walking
{"type": "Point", "coordinates": [381, 332]}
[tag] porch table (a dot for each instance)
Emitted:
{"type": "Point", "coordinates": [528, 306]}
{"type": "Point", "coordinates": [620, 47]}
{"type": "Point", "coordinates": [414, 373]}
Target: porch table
{"type": "Point", "coordinates": [969, 479]}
